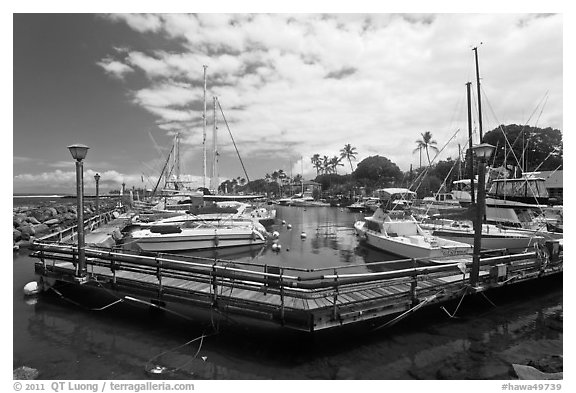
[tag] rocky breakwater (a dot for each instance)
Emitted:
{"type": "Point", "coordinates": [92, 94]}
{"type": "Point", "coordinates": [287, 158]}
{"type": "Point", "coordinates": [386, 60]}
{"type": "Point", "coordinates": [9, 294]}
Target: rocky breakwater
{"type": "Point", "coordinates": [32, 222]}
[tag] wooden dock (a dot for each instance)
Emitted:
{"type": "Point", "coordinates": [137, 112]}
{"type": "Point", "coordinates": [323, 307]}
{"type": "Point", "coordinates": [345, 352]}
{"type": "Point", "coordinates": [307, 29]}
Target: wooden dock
{"type": "Point", "coordinates": [303, 299]}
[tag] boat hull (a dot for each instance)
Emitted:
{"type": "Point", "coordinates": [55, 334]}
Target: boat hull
{"type": "Point", "coordinates": [200, 240]}
{"type": "Point", "coordinates": [410, 246]}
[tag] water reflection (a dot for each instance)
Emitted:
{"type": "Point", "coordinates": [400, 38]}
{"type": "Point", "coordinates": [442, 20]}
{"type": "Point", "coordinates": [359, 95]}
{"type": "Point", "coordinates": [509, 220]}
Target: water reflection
{"type": "Point", "coordinates": [124, 342]}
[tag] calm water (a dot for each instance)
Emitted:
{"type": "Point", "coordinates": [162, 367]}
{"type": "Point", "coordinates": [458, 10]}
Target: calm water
{"type": "Point", "coordinates": [66, 341]}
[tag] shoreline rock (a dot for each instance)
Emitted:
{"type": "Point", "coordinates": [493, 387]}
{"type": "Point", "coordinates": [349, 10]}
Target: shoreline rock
{"type": "Point", "coordinates": [32, 222]}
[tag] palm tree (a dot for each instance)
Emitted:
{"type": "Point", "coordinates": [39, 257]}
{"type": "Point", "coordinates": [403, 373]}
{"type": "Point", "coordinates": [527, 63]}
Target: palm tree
{"type": "Point", "coordinates": [325, 164]}
{"type": "Point", "coordinates": [334, 163]}
{"type": "Point", "coordinates": [316, 162]}
{"type": "Point", "coordinates": [426, 143]}
{"type": "Point", "coordinates": [349, 153]}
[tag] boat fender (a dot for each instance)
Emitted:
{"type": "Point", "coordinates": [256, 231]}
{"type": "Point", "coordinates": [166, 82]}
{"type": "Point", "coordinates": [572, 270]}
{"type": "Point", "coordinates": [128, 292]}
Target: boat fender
{"type": "Point", "coordinates": [31, 289]}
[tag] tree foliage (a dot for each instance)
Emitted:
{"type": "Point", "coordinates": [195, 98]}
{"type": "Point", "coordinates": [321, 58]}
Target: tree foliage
{"type": "Point", "coordinates": [540, 148]}
{"type": "Point", "coordinates": [378, 170]}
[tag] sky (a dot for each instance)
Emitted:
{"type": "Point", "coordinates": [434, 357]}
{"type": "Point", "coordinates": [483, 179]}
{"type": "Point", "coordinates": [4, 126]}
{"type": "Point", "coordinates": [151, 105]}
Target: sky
{"type": "Point", "coordinates": [289, 85]}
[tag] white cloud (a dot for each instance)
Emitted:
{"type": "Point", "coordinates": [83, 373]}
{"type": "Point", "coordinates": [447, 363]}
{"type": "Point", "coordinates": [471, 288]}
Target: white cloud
{"type": "Point", "coordinates": [311, 83]}
{"type": "Point", "coordinates": [115, 68]}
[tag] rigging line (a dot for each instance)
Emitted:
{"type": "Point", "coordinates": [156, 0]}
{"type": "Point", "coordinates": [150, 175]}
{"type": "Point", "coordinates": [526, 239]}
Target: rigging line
{"type": "Point", "coordinates": [230, 132]}
{"type": "Point", "coordinates": [161, 173]}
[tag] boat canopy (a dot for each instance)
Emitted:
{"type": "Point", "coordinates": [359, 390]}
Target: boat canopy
{"type": "Point", "coordinates": [519, 187]}
{"type": "Point", "coordinates": [395, 193]}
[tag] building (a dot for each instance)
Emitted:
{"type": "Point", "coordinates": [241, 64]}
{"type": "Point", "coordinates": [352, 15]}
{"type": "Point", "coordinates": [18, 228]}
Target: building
{"type": "Point", "coordinates": [554, 183]}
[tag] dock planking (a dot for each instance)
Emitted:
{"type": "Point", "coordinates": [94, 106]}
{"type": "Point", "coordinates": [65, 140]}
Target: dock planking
{"type": "Point", "coordinates": [315, 301]}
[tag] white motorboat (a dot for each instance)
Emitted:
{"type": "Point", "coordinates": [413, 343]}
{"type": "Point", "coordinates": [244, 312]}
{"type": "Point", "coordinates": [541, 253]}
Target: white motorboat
{"type": "Point", "coordinates": [196, 235]}
{"type": "Point", "coordinates": [493, 237]}
{"type": "Point", "coordinates": [400, 234]}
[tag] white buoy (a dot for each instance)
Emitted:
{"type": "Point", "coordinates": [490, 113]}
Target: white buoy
{"type": "Point", "coordinates": [283, 222]}
{"type": "Point", "coordinates": [31, 288]}
{"type": "Point", "coordinates": [279, 247]}
{"type": "Point", "coordinates": [289, 226]}
{"type": "Point", "coordinates": [303, 235]}
{"type": "Point", "coordinates": [275, 247]}
{"type": "Point", "coordinates": [275, 234]}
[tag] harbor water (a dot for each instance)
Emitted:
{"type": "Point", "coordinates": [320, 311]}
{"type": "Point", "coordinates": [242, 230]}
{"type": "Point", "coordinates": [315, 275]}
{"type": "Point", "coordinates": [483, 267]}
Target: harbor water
{"type": "Point", "coordinates": [88, 334]}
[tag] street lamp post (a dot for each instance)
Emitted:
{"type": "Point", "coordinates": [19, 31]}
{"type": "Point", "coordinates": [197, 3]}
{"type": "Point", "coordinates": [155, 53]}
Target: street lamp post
{"type": "Point", "coordinates": [79, 153]}
{"type": "Point", "coordinates": [483, 152]}
{"type": "Point", "coordinates": [97, 178]}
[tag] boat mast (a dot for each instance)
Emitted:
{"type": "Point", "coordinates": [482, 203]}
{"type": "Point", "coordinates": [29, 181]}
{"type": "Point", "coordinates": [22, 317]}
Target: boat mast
{"type": "Point", "coordinates": [204, 130]}
{"type": "Point", "coordinates": [470, 158]}
{"type": "Point", "coordinates": [214, 182]}
{"type": "Point", "coordinates": [478, 88]}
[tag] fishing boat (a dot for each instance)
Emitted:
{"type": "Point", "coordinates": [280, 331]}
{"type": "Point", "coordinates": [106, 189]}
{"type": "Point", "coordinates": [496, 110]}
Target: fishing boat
{"type": "Point", "coordinates": [493, 236]}
{"type": "Point", "coordinates": [194, 235]}
{"type": "Point", "coordinates": [400, 234]}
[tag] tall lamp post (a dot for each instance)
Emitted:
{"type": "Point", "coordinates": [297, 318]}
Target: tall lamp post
{"type": "Point", "coordinates": [78, 152]}
{"type": "Point", "coordinates": [97, 178]}
{"type": "Point", "coordinates": [483, 152]}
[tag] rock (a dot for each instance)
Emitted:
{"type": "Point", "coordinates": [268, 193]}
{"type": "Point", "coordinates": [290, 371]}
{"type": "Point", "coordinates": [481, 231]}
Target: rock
{"type": "Point", "coordinates": [61, 209]}
{"type": "Point", "coordinates": [26, 231]}
{"type": "Point", "coordinates": [52, 221]}
{"type": "Point", "coordinates": [25, 243]}
{"type": "Point", "coordinates": [41, 229]}
{"type": "Point", "coordinates": [72, 209]}
{"type": "Point", "coordinates": [24, 373]}
{"type": "Point", "coordinates": [52, 212]}
{"type": "Point", "coordinates": [69, 216]}
{"type": "Point", "coordinates": [32, 220]}
{"type": "Point", "coordinates": [18, 219]}
{"type": "Point", "coordinates": [16, 235]}
{"type": "Point", "coordinates": [38, 215]}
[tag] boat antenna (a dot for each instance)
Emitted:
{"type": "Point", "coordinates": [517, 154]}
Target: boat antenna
{"type": "Point", "coordinates": [475, 49]}
{"type": "Point", "coordinates": [204, 129]}
{"type": "Point", "coordinates": [230, 132]}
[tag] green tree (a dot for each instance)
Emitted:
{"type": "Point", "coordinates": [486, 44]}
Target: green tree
{"type": "Point", "coordinates": [348, 152]}
{"type": "Point", "coordinates": [316, 163]}
{"type": "Point", "coordinates": [529, 148]}
{"type": "Point", "coordinates": [427, 144]}
{"type": "Point", "coordinates": [334, 163]}
{"type": "Point", "coordinates": [378, 171]}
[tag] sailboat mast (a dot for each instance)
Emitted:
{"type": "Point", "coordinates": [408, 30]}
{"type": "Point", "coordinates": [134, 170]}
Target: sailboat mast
{"type": "Point", "coordinates": [204, 130]}
{"type": "Point", "coordinates": [479, 95]}
{"type": "Point", "coordinates": [214, 184]}
{"type": "Point", "coordinates": [470, 158]}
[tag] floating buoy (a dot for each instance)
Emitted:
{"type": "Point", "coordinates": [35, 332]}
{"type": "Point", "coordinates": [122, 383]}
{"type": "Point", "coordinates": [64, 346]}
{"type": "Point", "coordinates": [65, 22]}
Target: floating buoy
{"type": "Point", "coordinates": [287, 249]}
{"type": "Point", "coordinates": [204, 358]}
{"type": "Point", "coordinates": [289, 226]}
{"type": "Point", "coordinates": [31, 288]}
{"type": "Point", "coordinates": [303, 235]}
{"type": "Point", "coordinates": [275, 234]}
{"type": "Point", "coordinates": [276, 247]}
{"type": "Point", "coordinates": [157, 370]}
{"type": "Point", "coordinates": [283, 222]}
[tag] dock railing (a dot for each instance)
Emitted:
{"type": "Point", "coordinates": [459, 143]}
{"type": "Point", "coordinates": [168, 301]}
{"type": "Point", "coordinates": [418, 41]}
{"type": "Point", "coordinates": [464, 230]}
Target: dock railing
{"type": "Point", "coordinates": [70, 234]}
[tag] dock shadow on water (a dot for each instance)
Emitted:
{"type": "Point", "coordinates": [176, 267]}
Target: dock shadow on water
{"type": "Point", "coordinates": [62, 336]}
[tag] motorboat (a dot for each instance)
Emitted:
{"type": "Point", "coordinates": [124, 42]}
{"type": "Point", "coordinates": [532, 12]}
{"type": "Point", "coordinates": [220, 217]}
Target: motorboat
{"type": "Point", "coordinates": [199, 235]}
{"type": "Point", "coordinates": [365, 204]}
{"type": "Point", "coordinates": [397, 232]}
{"type": "Point", "coordinates": [493, 236]}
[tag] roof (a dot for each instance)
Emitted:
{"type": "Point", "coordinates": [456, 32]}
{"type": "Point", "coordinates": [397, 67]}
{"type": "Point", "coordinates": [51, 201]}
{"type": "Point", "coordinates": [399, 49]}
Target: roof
{"type": "Point", "coordinates": [552, 179]}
